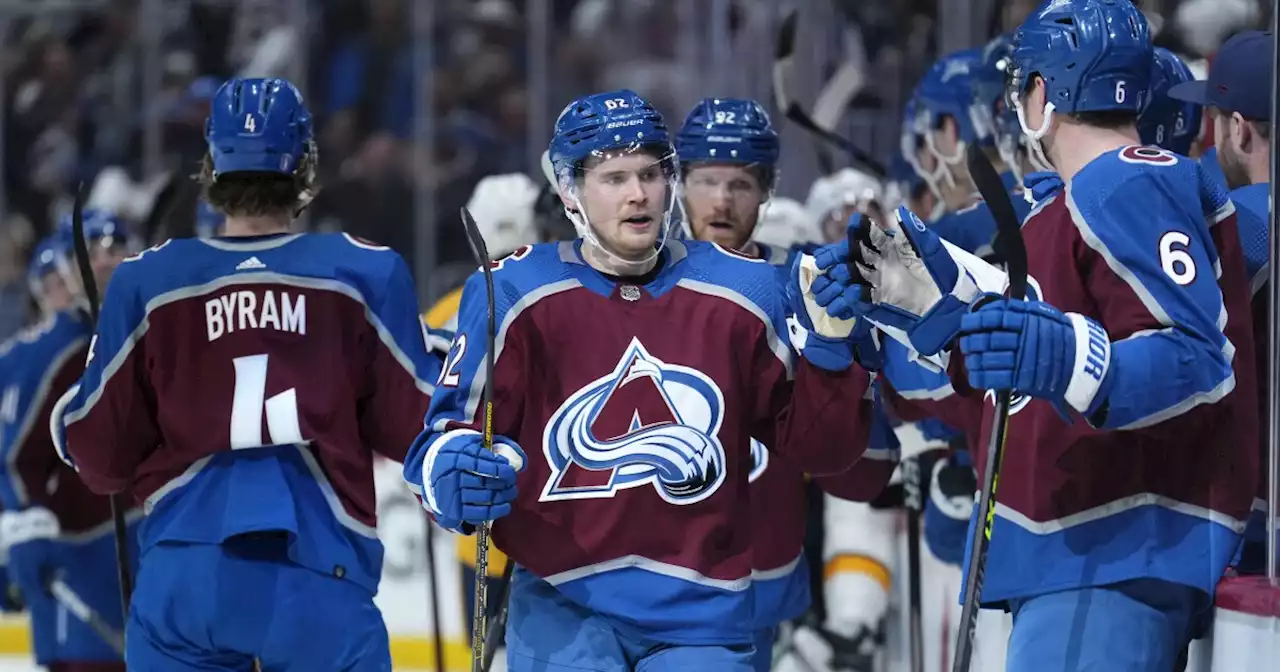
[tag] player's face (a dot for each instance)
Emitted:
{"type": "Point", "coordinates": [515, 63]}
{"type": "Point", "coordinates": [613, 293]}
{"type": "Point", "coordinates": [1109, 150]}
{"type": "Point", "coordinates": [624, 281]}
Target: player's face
{"type": "Point", "coordinates": [1227, 135]}
{"type": "Point", "coordinates": [624, 198]}
{"type": "Point", "coordinates": [55, 294]}
{"type": "Point", "coordinates": [723, 203]}
{"type": "Point", "coordinates": [104, 256]}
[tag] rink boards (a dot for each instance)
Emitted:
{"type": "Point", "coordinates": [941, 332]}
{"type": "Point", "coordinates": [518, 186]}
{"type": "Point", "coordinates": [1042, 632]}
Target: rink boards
{"type": "Point", "coordinates": [1245, 638]}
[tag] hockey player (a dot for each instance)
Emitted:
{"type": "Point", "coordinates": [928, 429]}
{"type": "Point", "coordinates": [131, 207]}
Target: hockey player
{"type": "Point", "coordinates": [1136, 319]}
{"type": "Point", "coordinates": [656, 362]}
{"type": "Point", "coordinates": [1236, 96]}
{"type": "Point", "coordinates": [240, 385]}
{"type": "Point", "coordinates": [52, 527]}
{"type": "Point", "coordinates": [1168, 122]}
{"type": "Point", "coordinates": [728, 153]}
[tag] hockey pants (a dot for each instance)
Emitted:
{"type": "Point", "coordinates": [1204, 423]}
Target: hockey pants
{"type": "Point", "coordinates": [546, 632]}
{"type": "Point", "coordinates": [218, 607]}
{"type": "Point", "coordinates": [1135, 626]}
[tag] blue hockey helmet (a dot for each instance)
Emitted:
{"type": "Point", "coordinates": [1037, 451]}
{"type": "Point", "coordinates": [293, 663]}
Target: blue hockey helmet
{"type": "Point", "coordinates": [729, 130]}
{"type": "Point", "coordinates": [100, 226]}
{"type": "Point", "coordinates": [946, 90]}
{"type": "Point", "coordinates": [48, 256]}
{"type": "Point", "coordinates": [988, 77]}
{"type": "Point", "coordinates": [1167, 122]}
{"type": "Point", "coordinates": [259, 125]}
{"type": "Point", "coordinates": [603, 122]}
{"type": "Point", "coordinates": [1093, 55]}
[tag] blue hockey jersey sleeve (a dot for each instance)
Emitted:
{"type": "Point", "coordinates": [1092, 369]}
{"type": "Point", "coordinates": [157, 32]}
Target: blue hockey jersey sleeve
{"type": "Point", "coordinates": [122, 430]}
{"type": "Point", "coordinates": [1252, 221]}
{"type": "Point", "coordinates": [456, 405]}
{"type": "Point", "coordinates": [402, 367]}
{"type": "Point", "coordinates": [1155, 281]}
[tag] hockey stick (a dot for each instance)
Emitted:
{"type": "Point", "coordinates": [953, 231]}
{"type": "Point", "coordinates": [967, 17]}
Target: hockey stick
{"type": "Point", "coordinates": [500, 623]}
{"type": "Point", "coordinates": [783, 66]}
{"type": "Point", "coordinates": [70, 599]}
{"type": "Point", "coordinates": [91, 295]}
{"type": "Point", "coordinates": [913, 497]}
{"type": "Point", "coordinates": [478, 622]}
{"type": "Point", "coordinates": [1009, 243]}
{"type": "Point", "coordinates": [437, 638]}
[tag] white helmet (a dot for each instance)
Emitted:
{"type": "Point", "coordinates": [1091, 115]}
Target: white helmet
{"type": "Point", "coordinates": [785, 222]}
{"type": "Point", "coordinates": [845, 188]}
{"type": "Point", "coordinates": [503, 208]}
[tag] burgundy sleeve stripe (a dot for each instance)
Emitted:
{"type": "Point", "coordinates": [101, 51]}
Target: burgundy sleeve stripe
{"type": "Point", "coordinates": [780, 349]}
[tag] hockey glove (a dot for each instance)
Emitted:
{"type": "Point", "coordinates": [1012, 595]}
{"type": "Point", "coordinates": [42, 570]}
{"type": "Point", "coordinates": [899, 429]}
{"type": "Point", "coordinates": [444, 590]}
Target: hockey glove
{"type": "Point", "coordinates": [467, 483]}
{"type": "Point", "coordinates": [823, 323]}
{"type": "Point", "coordinates": [1037, 350]}
{"type": "Point", "coordinates": [27, 539]}
{"type": "Point", "coordinates": [953, 483]}
{"type": "Point", "coordinates": [918, 292]}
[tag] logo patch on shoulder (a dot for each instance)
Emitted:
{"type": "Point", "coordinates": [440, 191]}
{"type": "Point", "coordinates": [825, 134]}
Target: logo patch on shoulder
{"type": "Point", "coordinates": [646, 423]}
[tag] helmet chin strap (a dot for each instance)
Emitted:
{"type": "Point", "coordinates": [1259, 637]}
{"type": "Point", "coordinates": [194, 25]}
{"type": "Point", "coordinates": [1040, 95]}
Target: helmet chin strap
{"type": "Point", "coordinates": [945, 161]}
{"type": "Point", "coordinates": [1035, 149]}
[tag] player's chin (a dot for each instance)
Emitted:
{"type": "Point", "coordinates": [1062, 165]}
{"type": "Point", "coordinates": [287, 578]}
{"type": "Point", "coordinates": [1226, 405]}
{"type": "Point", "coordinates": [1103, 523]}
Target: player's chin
{"type": "Point", "coordinates": [637, 241]}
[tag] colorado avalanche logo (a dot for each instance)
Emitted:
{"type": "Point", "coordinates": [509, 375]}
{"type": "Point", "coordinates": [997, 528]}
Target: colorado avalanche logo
{"type": "Point", "coordinates": [647, 422]}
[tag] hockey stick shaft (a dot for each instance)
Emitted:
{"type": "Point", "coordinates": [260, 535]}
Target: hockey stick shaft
{"type": "Point", "coordinates": [500, 623]}
{"type": "Point", "coordinates": [914, 496]}
{"type": "Point", "coordinates": [1009, 243]}
{"type": "Point", "coordinates": [479, 620]}
{"type": "Point", "coordinates": [90, 287]}
{"type": "Point", "coordinates": [71, 600]}
{"type": "Point", "coordinates": [433, 583]}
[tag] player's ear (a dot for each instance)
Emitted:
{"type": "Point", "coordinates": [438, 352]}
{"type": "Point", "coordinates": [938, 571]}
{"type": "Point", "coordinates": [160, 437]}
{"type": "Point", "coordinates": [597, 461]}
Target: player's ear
{"type": "Point", "coordinates": [1241, 132]}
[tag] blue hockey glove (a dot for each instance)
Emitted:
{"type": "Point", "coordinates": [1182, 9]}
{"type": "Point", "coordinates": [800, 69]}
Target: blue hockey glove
{"type": "Point", "coordinates": [949, 506]}
{"type": "Point", "coordinates": [28, 541]}
{"type": "Point", "coordinates": [467, 483]}
{"type": "Point", "coordinates": [1035, 349]}
{"type": "Point", "coordinates": [823, 320]}
{"type": "Point", "coordinates": [918, 293]}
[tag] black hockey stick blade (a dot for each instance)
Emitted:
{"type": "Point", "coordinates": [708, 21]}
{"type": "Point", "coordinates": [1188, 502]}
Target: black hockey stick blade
{"type": "Point", "coordinates": [90, 287]}
{"type": "Point", "coordinates": [1009, 240]}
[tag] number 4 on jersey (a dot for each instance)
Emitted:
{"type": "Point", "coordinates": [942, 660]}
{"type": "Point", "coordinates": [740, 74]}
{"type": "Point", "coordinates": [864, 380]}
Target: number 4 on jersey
{"type": "Point", "coordinates": [249, 402]}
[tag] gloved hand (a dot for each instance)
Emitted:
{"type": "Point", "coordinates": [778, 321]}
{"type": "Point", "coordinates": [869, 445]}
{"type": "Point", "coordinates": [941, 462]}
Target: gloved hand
{"type": "Point", "coordinates": [28, 542]}
{"type": "Point", "coordinates": [1037, 350]}
{"type": "Point", "coordinates": [468, 483]}
{"type": "Point", "coordinates": [949, 506]}
{"type": "Point", "coordinates": [918, 292]}
{"type": "Point", "coordinates": [823, 324]}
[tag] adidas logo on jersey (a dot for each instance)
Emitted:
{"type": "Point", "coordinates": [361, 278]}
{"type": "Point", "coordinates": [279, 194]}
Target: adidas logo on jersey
{"type": "Point", "coordinates": [250, 264]}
